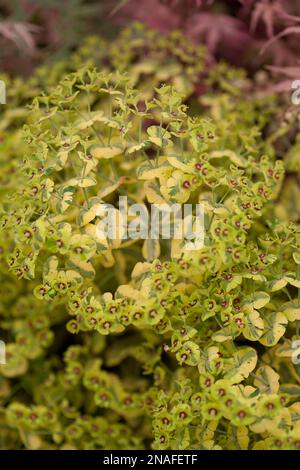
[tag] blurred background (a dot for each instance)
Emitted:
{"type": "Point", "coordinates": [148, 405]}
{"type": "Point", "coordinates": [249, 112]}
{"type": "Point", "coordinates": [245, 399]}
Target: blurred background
{"type": "Point", "coordinates": [246, 33]}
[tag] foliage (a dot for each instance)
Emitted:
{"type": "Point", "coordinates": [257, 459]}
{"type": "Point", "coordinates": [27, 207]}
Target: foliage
{"type": "Point", "coordinates": [244, 32]}
{"type": "Point", "coordinates": [35, 31]}
{"type": "Point", "coordinates": [131, 345]}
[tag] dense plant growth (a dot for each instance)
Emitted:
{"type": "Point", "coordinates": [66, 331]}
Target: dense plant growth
{"type": "Point", "coordinates": [142, 344]}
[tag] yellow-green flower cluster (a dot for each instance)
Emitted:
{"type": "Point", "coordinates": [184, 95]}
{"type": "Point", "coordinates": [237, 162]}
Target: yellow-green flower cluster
{"type": "Point", "coordinates": [132, 343]}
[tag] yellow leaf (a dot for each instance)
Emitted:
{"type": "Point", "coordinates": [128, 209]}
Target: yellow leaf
{"type": "Point", "coordinates": [242, 437]}
{"type": "Point", "coordinates": [140, 269]}
{"type": "Point", "coordinates": [291, 310]}
{"type": "Point", "coordinates": [254, 326]}
{"type": "Point", "coordinates": [85, 267]}
{"type": "Point", "coordinates": [112, 187]}
{"type": "Point", "coordinates": [89, 214]}
{"type": "Point", "coordinates": [153, 193]}
{"type": "Point", "coordinates": [275, 325]}
{"type": "Point", "coordinates": [267, 380]}
{"type": "Point", "coordinates": [278, 284]}
{"type": "Point", "coordinates": [105, 152]}
{"type": "Point", "coordinates": [93, 117]}
{"type": "Point", "coordinates": [147, 170]}
{"type": "Point", "coordinates": [177, 163]}
{"type": "Point", "coordinates": [224, 334]}
{"type": "Point", "coordinates": [242, 364]}
{"type": "Point", "coordinates": [95, 234]}
{"type": "Point", "coordinates": [32, 441]}
{"type": "Point", "coordinates": [151, 249]}
{"type": "Point", "coordinates": [260, 299]}
{"type": "Point", "coordinates": [82, 182]}
{"type": "Point", "coordinates": [128, 292]}
{"type": "Point", "coordinates": [291, 280]}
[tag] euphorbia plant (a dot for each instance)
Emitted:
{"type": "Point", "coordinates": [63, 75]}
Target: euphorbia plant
{"type": "Point", "coordinates": [131, 344]}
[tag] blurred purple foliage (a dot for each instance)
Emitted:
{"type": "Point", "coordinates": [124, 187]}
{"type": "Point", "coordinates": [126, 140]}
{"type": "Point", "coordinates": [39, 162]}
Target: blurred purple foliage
{"type": "Point", "coordinates": [246, 33]}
